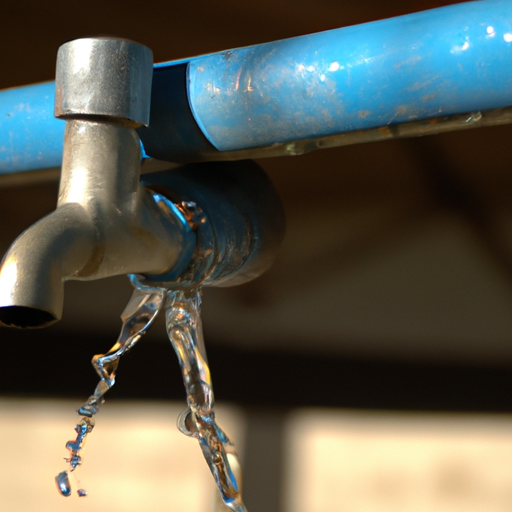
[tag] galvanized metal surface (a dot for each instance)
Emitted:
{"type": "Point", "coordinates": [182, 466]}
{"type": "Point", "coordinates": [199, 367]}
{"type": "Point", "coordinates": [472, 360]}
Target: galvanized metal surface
{"type": "Point", "coordinates": [104, 76]}
{"type": "Point", "coordinates": [105, 224]}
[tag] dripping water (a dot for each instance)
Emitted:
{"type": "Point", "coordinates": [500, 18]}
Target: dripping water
{"type": "Point", "coordinates": [184, 328]}
{"type": "Point", "coordinates": [183, 323]}
{"type": "Point", "coordinates": [138, 315]}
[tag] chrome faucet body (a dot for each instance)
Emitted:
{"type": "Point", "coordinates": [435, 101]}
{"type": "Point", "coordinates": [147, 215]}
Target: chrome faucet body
{"type": "Point", "coordinates": [106, 223]}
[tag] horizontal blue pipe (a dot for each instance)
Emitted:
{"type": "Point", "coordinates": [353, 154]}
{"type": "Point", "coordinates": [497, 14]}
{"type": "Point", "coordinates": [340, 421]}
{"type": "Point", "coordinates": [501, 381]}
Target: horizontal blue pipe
{"type": "Point", "coordinates": [451, 60]}
{"type": "Point", "coordinates": [445, 61]}
{"type": "Point", "coordinates": [30, 137]}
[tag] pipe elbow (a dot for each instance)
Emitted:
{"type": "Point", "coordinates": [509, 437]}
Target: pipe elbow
{"type": "Point", "coordinates": [33, 271]}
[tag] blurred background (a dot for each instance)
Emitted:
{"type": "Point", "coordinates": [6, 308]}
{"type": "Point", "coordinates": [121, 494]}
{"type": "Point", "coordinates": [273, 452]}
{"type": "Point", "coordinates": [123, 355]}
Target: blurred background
{"type": "Point", "coordinates": [368, 370]}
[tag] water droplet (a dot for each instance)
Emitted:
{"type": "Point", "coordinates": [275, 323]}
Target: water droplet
{"type": "Point", "coordinates": [474, 117]}
{"type": "Point", "coordinates": [63, 485]}
{"type": "Point", "coordinates": [81, 493]}
{"type": "Point", "coordinates": [185, 423]}
{"type": "Point", "coordinates": [294, 149]}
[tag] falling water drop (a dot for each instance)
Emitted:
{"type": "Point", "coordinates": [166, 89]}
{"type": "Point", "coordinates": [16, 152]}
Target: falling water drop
{"type": "Point", "coordinates": [63, 485]}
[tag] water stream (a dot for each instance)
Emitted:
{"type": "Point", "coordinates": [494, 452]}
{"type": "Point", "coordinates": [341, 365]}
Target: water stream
{"type": "Point", "coordinates": [183, 322]}
{"type": "Point", "coordinates": [184, 328]}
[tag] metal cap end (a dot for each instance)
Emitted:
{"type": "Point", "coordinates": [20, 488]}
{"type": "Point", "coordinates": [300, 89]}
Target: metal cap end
{"type": "Point", "coordinates": [104, 77]}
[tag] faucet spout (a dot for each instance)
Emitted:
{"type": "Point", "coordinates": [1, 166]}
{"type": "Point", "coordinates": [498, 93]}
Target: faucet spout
{"type": "Point", "coordinates": [34, 269]}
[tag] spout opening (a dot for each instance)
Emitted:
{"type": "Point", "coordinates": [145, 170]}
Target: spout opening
{"type": "Point", "coordinates": [24, 317]}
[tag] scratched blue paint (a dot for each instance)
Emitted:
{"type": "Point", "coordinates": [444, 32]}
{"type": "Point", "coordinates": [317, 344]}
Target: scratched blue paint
{"type": "Point", "coordinates": [451, 60]}
{"type": "Point", "coordinates": [30, 137]}
{"type": "Point", "coordinates": [445, 61]}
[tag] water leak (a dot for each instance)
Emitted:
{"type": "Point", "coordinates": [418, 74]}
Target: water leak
{"type": "Point", "coordinates": [183, 323]}
{"type": "Point", "coordinates": [184, 328]}
{"type": "Point", "coordinates": [139, 314]}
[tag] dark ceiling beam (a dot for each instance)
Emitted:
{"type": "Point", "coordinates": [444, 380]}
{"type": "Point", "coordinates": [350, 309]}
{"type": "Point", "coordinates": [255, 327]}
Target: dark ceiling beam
{"type": "Point", "coordinates": [41, 364]}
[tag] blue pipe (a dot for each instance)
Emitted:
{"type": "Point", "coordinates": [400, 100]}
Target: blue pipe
{"type": "Point", "coordinates": [30, 137]}
{"type": "Point", "coordinates": [445, 61]}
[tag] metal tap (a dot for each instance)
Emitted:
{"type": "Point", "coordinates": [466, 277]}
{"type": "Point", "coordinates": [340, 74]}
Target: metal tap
{"type": "Point", "coordinates": [220, 226]}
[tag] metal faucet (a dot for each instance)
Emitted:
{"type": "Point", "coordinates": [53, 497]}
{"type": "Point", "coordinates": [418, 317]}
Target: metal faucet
{"type": "Point", "coordinates": [214, 223]}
